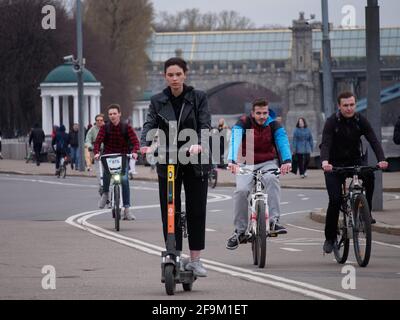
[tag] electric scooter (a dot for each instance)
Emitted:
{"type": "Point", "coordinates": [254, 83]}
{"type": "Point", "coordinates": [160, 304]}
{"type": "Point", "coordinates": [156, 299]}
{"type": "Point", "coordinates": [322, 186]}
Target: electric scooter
{"type": "Point", "coordinates": [171, 272]}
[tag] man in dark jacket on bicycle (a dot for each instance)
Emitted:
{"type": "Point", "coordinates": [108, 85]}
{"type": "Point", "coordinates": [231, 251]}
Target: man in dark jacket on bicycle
{"type": "Point", "coordinates": [60, 145]}
{"type": "Point", "coordinates": [341, 146]}
{"type": "Point", "coordinates": [270, 142]}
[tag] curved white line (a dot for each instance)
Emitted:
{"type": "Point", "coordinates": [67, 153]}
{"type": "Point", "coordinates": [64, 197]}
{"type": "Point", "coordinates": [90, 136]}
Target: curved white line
{"type": "Point", "coordinates": [320, 231]}
{"type": "Point", "coordinates": [275, 281]}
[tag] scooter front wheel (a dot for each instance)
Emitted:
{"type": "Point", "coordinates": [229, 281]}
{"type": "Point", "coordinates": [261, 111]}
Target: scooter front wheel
{"type": "Point", "coordinates": [170, 285]}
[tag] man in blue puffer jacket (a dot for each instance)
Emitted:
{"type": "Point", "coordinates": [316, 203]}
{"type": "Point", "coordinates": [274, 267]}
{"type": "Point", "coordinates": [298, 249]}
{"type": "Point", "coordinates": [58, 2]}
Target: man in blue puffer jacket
{"type": "Point", "coordinates": [267, 149]}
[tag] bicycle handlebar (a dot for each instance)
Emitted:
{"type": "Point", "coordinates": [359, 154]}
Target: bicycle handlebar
{"type": "Point", "coordinates": [244, 171]}
{"type": "Point", "coordinates": [128, 155]}
{"type": "Point", "coordinates": [355, 169]}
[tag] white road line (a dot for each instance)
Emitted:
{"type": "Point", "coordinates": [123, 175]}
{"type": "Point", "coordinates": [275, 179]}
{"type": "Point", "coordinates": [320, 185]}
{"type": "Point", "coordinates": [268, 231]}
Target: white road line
{"type": "Point", "coordinates": [304, 228]}
{"type": "Point", "coordinates": [291, 249]}
{"type": "Point", "coordinates": [279, 282]}
{"type": "Point", "coordinates": [347, 262]}
{"type": "Point", "coordinates": [295, 212]}
{"type": "Point", "coordinates": [304, 243]}
{"type": "Point", "coordinates": [284, 203]}
{"type": "Point", "coordinates": [321, 231]}
{"type": "Point", "coordinates": [394, 195]}
{"type": "Point", "coordinates": [304, 199]}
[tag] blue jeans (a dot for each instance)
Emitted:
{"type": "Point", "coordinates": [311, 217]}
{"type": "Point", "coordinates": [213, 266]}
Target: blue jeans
{"type": "Point", "coordinates": [126, 196]}
{"type": "Point", "coordinates": [75, 157]}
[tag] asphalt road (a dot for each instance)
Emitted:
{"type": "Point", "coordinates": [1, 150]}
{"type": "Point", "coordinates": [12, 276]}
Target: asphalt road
{"type": "Point", "coordinates": [50, 222]}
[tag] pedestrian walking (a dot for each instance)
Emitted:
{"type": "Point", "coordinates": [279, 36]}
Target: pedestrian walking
{"type": "Point", "coordinates": [37, 136]}
{"type": "Point", "coordinates": [74, 143]}
{"type": "Point", "coordinates": [302, 146]}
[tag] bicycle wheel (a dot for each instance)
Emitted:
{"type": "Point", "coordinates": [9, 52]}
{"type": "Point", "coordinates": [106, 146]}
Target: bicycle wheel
{"type": "Point", "coordinates": [170, 285]}
{"type": "Point", "coordinates": [64, 172]}
{"type": "Point", "coordinates": [116, 208]}
{"type": "Point", "coordinates": [254, 246]}
{"type": "Point", "coordinates": [341, 249]}
{"type": "Point", "coordinates": [362, 230]}
{"type": "Point", "coordinates": [261, 235]}
{"type": "Point", "coordinates": [213, 178]}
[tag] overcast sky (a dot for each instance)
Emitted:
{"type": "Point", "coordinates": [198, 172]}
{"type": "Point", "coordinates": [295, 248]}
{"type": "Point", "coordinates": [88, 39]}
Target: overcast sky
{"type": "Point", "coordinates": [282, 12]}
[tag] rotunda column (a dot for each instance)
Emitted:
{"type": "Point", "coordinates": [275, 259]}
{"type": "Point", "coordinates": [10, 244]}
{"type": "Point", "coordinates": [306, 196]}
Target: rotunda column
{"type": "Point", "coordinates": [46, 115]}
{"type": "Point", "coordinates": [56, 110]}
{"type": "Point", "coordinates": [76, 109]}
{"type": "Point", "coordinates": [65, 117]}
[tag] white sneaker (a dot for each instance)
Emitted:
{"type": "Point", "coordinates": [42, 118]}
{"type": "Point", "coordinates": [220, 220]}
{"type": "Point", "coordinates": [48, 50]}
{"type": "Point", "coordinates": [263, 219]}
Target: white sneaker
{"type": "Point", "coordinates": [184, 262]}
{"type": "Point", "coordinates": [128, 216]}
{"type": "Point", "coordinates": [104, 199]}
{"type": "Point", "coordinates": [197, 268]}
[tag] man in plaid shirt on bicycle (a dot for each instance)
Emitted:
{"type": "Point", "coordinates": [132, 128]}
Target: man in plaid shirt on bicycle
{"type": "Point", "coordinates": [117, 137]}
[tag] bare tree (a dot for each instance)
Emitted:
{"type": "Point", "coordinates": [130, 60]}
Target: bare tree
{"type": "Point", "coordinates": [194, 20]}
{"type": "Point", "coordinates": [27, 54]}
{"type": "Point", "coordinates": [125, 27]}
{"type": "Point", "coordinates": [231, 20]}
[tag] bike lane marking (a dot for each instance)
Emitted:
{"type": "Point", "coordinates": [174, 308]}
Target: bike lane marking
{"type": "Point", "coordinates": [320, 231]}
{"type": "Point", "coordinates": [302, 288]}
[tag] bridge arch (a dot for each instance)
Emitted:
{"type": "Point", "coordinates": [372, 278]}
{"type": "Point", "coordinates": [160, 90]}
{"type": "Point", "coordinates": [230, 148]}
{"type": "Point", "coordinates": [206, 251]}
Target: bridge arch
{"type": "Point", "coordinates": [235, 97]}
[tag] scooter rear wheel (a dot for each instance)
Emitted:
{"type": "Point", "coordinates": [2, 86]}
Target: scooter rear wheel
{"type": "Point", "coordinates": [187, 286]}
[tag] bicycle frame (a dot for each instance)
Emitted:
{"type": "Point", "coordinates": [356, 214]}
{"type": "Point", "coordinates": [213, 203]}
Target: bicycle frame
{"type": "Point", "coordinates": [115, 164]}
{"type": "Point", "coordinates": [349, 194]}
{"type": "Point", "coordinates": [257, 195]}
{"type": "Point", "coordinates": [356, 216]}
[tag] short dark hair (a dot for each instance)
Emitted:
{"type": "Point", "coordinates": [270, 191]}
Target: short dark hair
{"type": "Point", "coordinates": [100, 115]}
{"type": "Point", "coordinates": [114, 106]}
{"type": "Point", "coordinates": [175, 62]}
{"type": "Point", "coordinates": [260, 102]}
{"type": "Point", "coordinates": [345, 95]}
{"type": "Point", "coordinates": [304, 121]}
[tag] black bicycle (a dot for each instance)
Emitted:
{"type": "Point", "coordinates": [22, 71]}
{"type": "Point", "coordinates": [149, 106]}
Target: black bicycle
{"type": "Point", "coordinates": [115, 164]}
{"type": "Point", "coordinates": [354, 217]}
{"type": "Point", "coordinates": [213, 177]}
{"type": "Point", "coordinates": [62, 171]}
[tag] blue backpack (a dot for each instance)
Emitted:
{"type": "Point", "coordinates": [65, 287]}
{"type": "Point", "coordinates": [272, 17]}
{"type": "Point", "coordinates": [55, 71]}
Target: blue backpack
{"type": "Point", "coordinates": [61, 142]}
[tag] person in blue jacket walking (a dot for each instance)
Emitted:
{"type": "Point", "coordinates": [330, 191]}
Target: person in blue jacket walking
{"type": "Point", "coordinates": [303, 145]}
{"type": "Point", "coordinates": [267, 149]}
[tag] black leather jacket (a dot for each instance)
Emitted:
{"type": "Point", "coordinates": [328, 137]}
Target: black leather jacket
{"type": "Point", "coordinates": [161, 115]}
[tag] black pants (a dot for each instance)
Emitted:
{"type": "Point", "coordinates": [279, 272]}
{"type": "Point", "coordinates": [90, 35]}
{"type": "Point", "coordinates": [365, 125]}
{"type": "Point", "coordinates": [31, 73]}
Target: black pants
{"type": "Point", "coordinates": [196, 201]}
{"type": "Point", "coordinates": [303, 159]}
{"type": "Point", "coordinates": [334, 183]}
{"type": "Point", "coordinates": [37, 148]}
